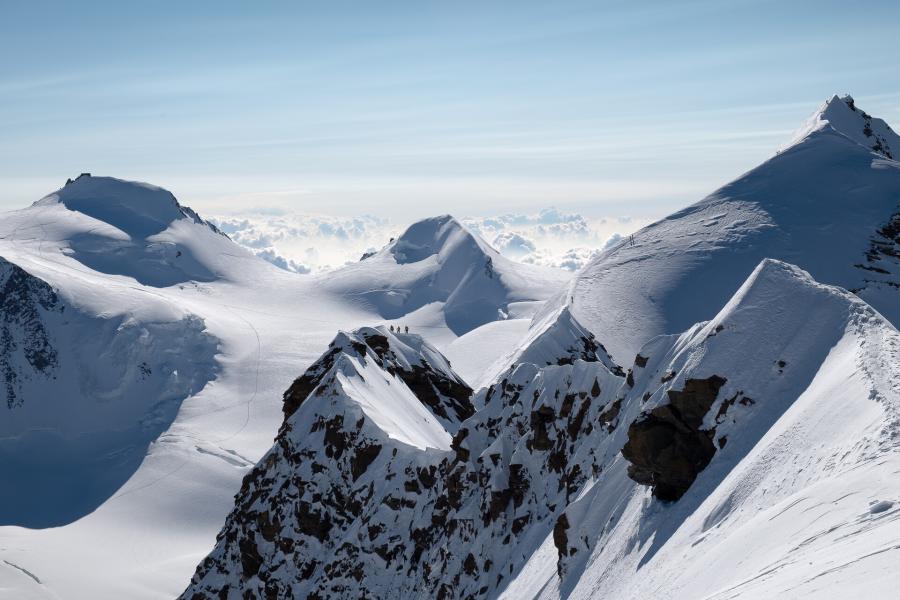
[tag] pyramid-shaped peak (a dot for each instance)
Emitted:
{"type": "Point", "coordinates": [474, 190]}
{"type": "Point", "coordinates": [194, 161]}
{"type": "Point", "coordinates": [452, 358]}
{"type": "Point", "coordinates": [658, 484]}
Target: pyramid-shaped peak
{"type": "Point", "coordinates": [419, 365]}
{"type": "Point", "coordinates": [840, 114]}
{"type": "Point", "coordinates": [435, 236]}
{"type": "Point", "coordinates": [139, 209]}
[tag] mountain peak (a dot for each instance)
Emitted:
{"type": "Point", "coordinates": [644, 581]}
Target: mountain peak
{"type": "Point", "coordinates": [134, 229]}
{"type": "Point", "coordinates": [433, 404]}
{"type": "Point", "coordinates": [840, 114]}
{"type": "Point", "coordinates": [439, 260]}
{"type": "Point", "coordinates": [434, 236]}
{"type": "Point", "coordinates": [136, 208]}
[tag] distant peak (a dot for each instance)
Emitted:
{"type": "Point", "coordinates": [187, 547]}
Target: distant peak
{"type": "Point", "coordinates": [139, 209]}
{"type": "Point", "coordinates": [840, 114]}
{"type": "Point", "coordinates": [435, 236]}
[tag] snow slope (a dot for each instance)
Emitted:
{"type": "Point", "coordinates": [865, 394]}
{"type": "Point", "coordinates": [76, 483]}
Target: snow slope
{"type": "Point", "coordinates": [438, 262]}
{"type": "Point", "coordinates": [828, 203]}
{"type": "Point", "coordinates": [85, 396]}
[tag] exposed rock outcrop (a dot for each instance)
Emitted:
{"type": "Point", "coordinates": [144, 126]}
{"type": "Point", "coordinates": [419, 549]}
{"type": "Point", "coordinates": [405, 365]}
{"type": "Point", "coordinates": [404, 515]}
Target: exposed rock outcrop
{"type": "Point", "coordinates": [26, 347]}
{"type": "Point", "coordinates": [667, 447]}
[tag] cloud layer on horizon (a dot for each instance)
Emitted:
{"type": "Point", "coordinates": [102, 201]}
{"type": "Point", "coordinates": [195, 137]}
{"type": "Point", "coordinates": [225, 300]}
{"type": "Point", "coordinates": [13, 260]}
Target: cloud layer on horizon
{"type": "Point", "coordinates": [306, 243]}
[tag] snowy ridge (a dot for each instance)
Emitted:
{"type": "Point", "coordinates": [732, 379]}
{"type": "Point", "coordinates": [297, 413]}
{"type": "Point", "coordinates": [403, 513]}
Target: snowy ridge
{"type": "Point", "coordinates": [417, 519]}
{"type": "Point", "coordinates": [804, 441]}
{"type": "Point", "coordinates": [345, 464]}
{"type": "Point", "coordinates": [826, 204]}
{"type": "Point", "coordinates": [421, 412]}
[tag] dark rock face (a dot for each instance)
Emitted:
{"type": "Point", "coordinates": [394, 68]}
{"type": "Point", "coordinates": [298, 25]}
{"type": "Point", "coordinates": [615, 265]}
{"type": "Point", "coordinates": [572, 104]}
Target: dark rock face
{"type": "Point", "coordinates": [447, 398]}
{"type": "Point", "coordinates": [26, 348]}
{"type": "Point", "coordinates": [363, 457]}
{"type": "Point", "coordinates": [560, 536]}
{"type": "Point", "coordinates": [306, 383]}
{"type": "Point", "coordinates": [666, 447]}
{"type": "Point", "coordinates": [883, 256]}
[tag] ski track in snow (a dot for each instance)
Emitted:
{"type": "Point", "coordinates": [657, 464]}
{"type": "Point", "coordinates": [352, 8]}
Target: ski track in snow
{"type": "Point", "coordinates": [24, 570]}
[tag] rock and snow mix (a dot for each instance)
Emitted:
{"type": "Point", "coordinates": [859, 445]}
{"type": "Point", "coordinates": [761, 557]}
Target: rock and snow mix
{"type": "Point", "coordinates": [602, 474]}
{"type": "Point", "coordinates": [692, 416]}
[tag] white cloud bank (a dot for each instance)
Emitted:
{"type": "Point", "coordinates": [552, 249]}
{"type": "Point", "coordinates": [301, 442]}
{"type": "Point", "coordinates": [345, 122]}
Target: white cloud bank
{"type": "Point", "coordinates": [305, 243]}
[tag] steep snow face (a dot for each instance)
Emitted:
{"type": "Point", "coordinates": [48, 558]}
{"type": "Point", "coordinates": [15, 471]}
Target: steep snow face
{"type": "Point", "coordinates": [85, 396]}
{"type": "Point", "coordinates": [775, 429]}
{"type": "Point", "coordinates": [779, 312]}
{"type": "Point", "coordinates": [135, 230]}
{"type": "Point", "coordinates": [438, 261]}
{"type": "Point", "coordinates": [558, 338]}
{"type": "Point", "coordinates": [827, 203]}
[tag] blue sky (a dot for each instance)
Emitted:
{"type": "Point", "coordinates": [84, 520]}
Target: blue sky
{"type": "Point", "coordinates": [407, 109]}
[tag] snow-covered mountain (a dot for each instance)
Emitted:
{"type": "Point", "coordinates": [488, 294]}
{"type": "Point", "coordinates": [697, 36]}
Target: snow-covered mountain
{"type": "Point", "coordinates": [131, 351]}
{"type": "Point", "coordinates": [133, 229]}
{"type": "Point", "coordinates": [144, 356]}
{"type": "Point", "coordinates": [829, 203]}
{"type": "Point", "coordinates": [774, 426]}
{"type": "Point", "coordinates": [438, 265]}
{"type": "Point", "coordinates": [87, 388]}
{"type": "Point", "coordinates": [692, 416]}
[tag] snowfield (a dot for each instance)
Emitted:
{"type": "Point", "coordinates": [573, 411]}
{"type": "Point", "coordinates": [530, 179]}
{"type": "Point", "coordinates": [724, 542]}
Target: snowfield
{"type": "Point", "coordinates": [702, 413]}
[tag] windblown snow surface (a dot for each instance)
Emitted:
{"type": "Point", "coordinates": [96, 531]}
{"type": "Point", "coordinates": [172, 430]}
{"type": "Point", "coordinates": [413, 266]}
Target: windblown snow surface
{"type": "Point", "coordinates": [693, 416]}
